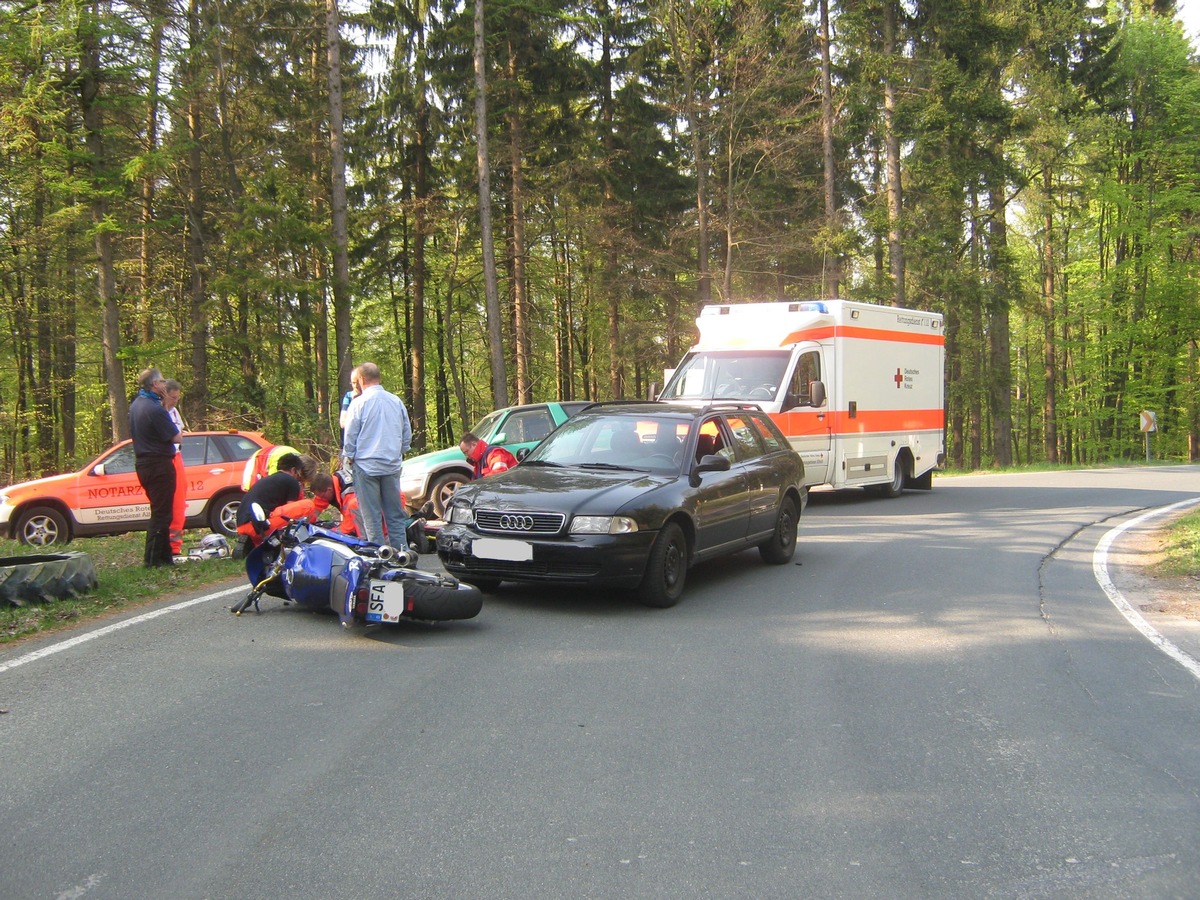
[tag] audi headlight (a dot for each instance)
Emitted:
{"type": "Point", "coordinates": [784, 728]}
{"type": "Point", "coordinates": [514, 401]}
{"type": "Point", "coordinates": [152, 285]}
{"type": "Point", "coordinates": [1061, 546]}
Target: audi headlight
{"type": "Point", "coordinates": [603, 525]}
{"type": "Point", "coordinates": [462, 515]}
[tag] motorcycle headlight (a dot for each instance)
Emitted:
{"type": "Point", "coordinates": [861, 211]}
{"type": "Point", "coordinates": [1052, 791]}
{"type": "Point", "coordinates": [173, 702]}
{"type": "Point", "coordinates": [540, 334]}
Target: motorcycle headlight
{"type": "Point", "coordinates": [603, 525]}
{"type": "Point", "coordinates": [462, 515]}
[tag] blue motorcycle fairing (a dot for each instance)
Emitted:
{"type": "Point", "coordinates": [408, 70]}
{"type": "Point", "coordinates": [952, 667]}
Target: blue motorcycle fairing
{"type": "Point", "coordinates": [322, 570]}
{"type": "Point", "coordinates": [314, 573]}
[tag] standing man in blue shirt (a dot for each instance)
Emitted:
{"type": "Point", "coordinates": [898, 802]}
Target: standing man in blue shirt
{"type": "Point", "coordinates": [154, 440]}
{"type": "Point", "coordinates": [378, 433]}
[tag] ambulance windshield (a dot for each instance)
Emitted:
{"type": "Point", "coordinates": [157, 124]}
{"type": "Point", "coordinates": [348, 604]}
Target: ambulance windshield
{"type": "Point", "coordinates": [728, 375]}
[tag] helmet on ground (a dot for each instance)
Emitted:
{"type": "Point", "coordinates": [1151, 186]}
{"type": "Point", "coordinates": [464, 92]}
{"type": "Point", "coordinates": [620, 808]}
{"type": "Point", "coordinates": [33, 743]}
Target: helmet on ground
{"type": "Point", "coordinates": [214, 545]}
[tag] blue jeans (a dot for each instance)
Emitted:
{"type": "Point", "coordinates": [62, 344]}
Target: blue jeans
{"type": "Point", "coordinates": [382, 517]}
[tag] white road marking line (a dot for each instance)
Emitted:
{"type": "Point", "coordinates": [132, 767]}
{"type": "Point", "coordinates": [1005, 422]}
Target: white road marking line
{"type": "Point", "coordinates": [1100, 570]}
{"type": "Point", "coordinates": [116, 626]}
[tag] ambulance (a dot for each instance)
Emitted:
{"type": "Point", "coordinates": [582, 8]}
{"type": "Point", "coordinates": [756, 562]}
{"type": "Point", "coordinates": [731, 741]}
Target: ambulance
{"type": "Point", "coordinates": [858, 389]}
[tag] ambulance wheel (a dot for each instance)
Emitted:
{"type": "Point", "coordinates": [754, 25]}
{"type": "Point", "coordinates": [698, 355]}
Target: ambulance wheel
{"type": "Point", "coordinates": [900, 471]}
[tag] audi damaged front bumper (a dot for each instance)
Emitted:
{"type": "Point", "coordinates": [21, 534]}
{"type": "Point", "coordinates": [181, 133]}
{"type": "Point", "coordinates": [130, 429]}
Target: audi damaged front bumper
{"type": "Point", "coordinates": [616, 560]}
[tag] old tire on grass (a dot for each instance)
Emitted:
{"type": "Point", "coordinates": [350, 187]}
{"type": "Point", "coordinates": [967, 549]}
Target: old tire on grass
{"type": "Point", "coordinates": [44, 578]}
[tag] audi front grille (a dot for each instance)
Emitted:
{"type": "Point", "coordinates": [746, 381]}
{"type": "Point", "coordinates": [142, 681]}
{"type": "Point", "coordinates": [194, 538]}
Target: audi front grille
{"type": "Point", "coordinates": [491, 521]}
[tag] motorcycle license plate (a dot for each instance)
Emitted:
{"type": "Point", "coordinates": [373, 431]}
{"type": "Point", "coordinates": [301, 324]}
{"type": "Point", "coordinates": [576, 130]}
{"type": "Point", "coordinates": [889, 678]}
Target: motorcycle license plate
{"type": "Point", "coordinates": [386, 601]}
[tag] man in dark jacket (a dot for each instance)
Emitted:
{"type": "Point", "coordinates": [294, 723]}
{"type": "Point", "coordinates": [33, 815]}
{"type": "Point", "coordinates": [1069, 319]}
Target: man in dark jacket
{"type": "Point", "coordinates": [154, 440]}
{"type": "Point", "coordinates": [283, 486]}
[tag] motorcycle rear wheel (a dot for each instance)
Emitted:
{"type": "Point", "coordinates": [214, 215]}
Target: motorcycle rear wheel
{"type": "Point", "coordinates": [442, 602]}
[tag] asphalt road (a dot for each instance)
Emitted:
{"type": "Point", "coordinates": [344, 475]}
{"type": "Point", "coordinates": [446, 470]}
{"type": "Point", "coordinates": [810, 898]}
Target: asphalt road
{"type": "Point", "coordinates": [936, 700]}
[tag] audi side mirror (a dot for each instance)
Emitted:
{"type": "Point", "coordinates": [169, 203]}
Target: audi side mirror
{"type": "Point", "coordinates": [713, 462]}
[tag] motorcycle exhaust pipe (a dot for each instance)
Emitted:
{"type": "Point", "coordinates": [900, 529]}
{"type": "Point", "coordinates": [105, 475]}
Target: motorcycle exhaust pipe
{"type": "Point", "coordinates": [387, 552]}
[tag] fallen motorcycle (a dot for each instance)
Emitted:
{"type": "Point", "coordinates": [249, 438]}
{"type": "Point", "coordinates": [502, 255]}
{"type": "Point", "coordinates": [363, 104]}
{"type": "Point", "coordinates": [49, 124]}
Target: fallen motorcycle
{"type": "Point", "coordinates": [321, 569]}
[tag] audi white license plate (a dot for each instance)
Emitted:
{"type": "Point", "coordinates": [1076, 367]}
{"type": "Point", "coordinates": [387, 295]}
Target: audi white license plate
{"type": "Point", "coordinates": [502, 548]}
{"type": "Point", "coordinates": [386, 602]}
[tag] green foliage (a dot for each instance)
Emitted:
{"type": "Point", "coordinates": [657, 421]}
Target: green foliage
{"type": "Point", "coordinates": [629, 123]}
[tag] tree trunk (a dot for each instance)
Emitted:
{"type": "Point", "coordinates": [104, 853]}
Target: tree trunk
{"type": "Point", "coordinates": [1050, 411]}
{"type": "Point", "coordinates": [892, 140]}
{"type": "Point", "coordinates": [341, 256]}
{"type": "Point", "coordinates": [110, 326]}
{"type": "Point", "coordinates": [39, 286]}
{"type": "Point", "coordinates": [616, 352]}
{"type": "Point", "coordinates": [1193, 412]}
{"type": "Point", "coordinates": [999, 335]}
{"type": "Point", "coordinates": [956, 424]}
{"type": "Point", "coordinates": [196, 398]}
{"type": "Point", "coordinates": [327, 409]}
{"type": "Point", "coordinates": [460, 391]}
{"type": "Point", "coordinates": [520, 296]}
{"type": "Point", "coordinates": [417, 413]}
{"type": "Point", "coordinates": [150, 146]}
{"type": "Point", "coordinates": [830, 262]}
{"type": "Point", "coordinates": [491, 291]}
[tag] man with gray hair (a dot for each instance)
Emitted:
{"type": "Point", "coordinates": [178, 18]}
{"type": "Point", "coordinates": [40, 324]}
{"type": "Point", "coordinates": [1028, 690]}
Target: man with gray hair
{"type": "Point", "coordinates": [154, 440]}
{"type": "Point", "coordinates": [378, 432]}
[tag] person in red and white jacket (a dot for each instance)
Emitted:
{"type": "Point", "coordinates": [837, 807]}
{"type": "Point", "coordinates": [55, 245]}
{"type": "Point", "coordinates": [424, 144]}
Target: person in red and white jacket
{"type": "Point", "coordinates": [485, 460]}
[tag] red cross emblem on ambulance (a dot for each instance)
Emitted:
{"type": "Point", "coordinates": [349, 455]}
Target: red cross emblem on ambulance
{"type": "Point", "coordinates": [899, 379]}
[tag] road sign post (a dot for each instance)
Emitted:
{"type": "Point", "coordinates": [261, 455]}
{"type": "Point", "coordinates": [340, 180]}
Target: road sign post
{"type": "Point", "coordinates": [1149, 424]}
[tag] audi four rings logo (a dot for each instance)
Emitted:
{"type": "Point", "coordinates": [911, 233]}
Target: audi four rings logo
{"type": "Point", "coordinates": [516, 523]}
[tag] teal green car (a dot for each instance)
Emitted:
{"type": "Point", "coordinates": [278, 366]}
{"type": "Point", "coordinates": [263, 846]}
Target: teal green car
{"type": "Point", "coordinates": [435, 476]}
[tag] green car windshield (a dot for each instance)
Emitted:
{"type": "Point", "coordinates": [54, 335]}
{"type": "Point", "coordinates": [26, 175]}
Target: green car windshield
{"type": "Point", "coordinates": [487, 425]}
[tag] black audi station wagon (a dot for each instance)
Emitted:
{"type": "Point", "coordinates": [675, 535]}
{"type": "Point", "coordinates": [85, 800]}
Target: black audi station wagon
{"type": "Point", "coordinates": [631, 494]}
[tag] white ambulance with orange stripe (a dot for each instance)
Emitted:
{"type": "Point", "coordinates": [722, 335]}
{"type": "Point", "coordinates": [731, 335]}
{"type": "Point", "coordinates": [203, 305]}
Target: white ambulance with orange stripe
{"type": "Point", "coordinates": [858, 389]}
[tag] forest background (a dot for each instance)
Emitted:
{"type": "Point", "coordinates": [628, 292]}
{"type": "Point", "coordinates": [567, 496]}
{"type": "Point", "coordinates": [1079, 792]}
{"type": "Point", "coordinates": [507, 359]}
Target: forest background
{"type": "Point", "coordinates": [521, 200]}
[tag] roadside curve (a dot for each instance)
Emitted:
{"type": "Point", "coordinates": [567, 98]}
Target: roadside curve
{"type": "Point", "coordinates": [1177, 638]}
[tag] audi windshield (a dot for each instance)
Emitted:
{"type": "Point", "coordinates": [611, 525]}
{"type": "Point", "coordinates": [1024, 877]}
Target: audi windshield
{"type": "Point", "coordinates": [649, 442]}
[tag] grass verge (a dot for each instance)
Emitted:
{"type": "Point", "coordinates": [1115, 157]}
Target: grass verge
{"type": "Point", "coordinates": [123, 583]}
{"type": "Point", "coordinates": [1181, 547]}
